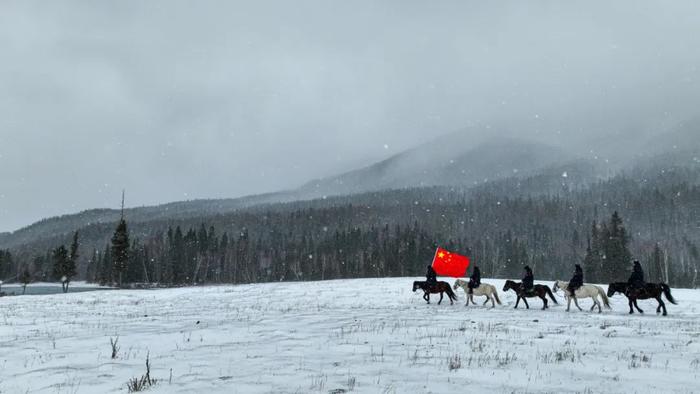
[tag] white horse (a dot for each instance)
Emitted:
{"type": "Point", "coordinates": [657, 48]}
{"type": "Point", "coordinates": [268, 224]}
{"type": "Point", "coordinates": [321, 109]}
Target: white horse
{"type": "Point", "coordinates": [484, 289]}
{"type": "Point", "coordinates": [585, 291]}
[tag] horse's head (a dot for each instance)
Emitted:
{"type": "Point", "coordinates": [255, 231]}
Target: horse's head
{"type": "Point", "coordinates": [556, 286]}
{"type": "Point", "coordinates": [614, 288]}
{"type": "Point", "coordinates": [457, 284]}
{"type": "Point", "coordinates": [416, 286]}
{"type": "Point", "coordinates": [508, 285]}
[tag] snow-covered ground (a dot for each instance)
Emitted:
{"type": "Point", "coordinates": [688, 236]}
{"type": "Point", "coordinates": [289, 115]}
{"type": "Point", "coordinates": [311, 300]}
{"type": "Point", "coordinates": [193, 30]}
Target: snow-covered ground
{"type": "Point", "coordinates": [365, 336]}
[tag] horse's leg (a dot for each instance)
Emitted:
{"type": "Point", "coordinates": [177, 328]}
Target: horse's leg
{"type": "Point", "coordinates": [576, 303]}
{"type": "Point", "coordinates": [467, 297]}
{"type": "Point", "coordinates": [568, 303]}
{"type": "Point", "coordinates": [544, 302]}
{"type": "Point", "coordinates": [516, 303]}
{"type": "Point", "coordinates": [426, 297]}
{"type": "Point", "coordinates": [631, 306]}
{"type": "Point", "coordinates": [662, 304]}
{"type": "Point", "coordinates": [488, 297]}
{"type": "Point", "coordinates": [526, 304]}
{"type": "Point", "coordinates": [440, 298]}
{"type": "Point", "coordinates": [637, 306]}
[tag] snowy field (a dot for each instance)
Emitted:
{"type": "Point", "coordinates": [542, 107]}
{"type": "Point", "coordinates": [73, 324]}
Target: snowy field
{"type": "Point", "coordinates": [363, 336]}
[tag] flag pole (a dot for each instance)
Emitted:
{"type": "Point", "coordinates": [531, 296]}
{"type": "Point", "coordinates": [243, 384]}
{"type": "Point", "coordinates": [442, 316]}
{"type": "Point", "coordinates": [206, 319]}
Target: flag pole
{"type": "Point", "coordinates": [434, 256]}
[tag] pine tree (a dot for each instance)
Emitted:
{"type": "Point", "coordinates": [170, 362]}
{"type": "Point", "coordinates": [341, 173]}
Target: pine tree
{"type": "Point", "coordinates": [71, 264]}
{"type": "Point", "coordinates": [105, 274]}
{"type": "Point", "coordinates": [177, 257]}
{"type": "Point", "coordinates": [592, 262]}
{"type": "Point", "coordinates": [7, 265]}
{"type": "Point", "coordinates": [615, 248]}
{"type": "Point", "coordinates": [60, 265]}
{"type": "Point", "coordinates": [25, 278]}
{"type": "Point", "coordinates": [120, 252]}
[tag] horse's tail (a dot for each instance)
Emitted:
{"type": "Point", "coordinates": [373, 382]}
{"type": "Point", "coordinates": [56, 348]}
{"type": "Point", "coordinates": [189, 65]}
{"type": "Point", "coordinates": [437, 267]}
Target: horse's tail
{"type": "Point", "coordinates": [549, 291]}
{"type": "Point", "coordinates": [495, 295]}
{"type": "Point", "coordinates": [667, 293]}
{"type": "Point", "coordinates": [604, 296]}
{"type": "Point", "coordinates": [451, 293]}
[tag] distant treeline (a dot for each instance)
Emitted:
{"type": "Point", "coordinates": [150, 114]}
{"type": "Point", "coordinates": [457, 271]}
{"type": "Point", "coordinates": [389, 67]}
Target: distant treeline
{"type": "Point", "coordinates": [502, 226]}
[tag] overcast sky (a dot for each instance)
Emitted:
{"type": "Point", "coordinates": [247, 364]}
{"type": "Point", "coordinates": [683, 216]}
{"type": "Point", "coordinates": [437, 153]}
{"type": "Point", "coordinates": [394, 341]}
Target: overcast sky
{"type": "Point", "coordinates": [178, 100]}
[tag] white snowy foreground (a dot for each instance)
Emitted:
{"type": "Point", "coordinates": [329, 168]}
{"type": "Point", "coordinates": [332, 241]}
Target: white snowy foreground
{"type": "Point", "coordinates": [363, 336]}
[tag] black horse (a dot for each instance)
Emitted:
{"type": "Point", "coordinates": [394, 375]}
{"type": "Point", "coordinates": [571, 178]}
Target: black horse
{"type": "Point", "coordinates": [650, 290]}
{"type": "Point", "coordinates": [438, 287]}
{"type": "Point", "coordinates": [537, 291]}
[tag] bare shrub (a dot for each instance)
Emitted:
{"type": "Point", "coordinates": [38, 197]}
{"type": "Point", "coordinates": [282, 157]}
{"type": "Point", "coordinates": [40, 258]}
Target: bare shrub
{"type": "Point", "coordinates": [351, 383]}
{"type": "Point", "coordinates": [144, 382]}
{"type": "Point", "coordinates": [115, 348]}
{"type": "Point", "coordinates": [318, 382]}
{"type": "Point", "coordinates": [454, 362]}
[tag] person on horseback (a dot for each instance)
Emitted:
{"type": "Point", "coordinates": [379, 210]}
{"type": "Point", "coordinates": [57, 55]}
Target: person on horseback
{"type": "Point", "coordinates": [636, 280]}
{"type": "Point", "coordinates": [576, 281]}
{"type": "Point", "coordinates": [528, 284]}
{"type": "Point", "coordinates": [474, 280]}
{"type": "Point", "coordinates": [431, 277]}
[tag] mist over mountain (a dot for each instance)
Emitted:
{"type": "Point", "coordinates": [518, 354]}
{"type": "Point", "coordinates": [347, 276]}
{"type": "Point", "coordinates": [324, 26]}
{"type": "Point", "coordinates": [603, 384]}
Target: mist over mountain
{"type": "Point", "coordinates": [455, 159]}
{"type": "Point", "coordinates": [461, 160]}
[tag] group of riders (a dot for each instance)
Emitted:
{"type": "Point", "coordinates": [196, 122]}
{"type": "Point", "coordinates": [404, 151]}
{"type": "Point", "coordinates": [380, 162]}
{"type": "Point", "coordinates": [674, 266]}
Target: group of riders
{"type": "Point", "coordinates": [635, 281]}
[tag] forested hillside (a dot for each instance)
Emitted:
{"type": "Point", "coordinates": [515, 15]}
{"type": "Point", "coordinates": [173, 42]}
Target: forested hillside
{"type": "Point", "coordinates": [548, 221]}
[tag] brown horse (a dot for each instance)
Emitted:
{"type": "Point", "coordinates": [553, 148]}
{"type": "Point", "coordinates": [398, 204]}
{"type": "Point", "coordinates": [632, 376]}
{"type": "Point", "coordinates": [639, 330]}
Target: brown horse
{"type": "Point", "coordinates": [537, 291]}
{"type": "Point", "coordinates": [650, 290]}
{"type": "Point", "coordinates": [438, 287]}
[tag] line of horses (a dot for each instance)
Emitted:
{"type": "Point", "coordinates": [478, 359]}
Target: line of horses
{"type": "Point", "coordinates": [649, 291]}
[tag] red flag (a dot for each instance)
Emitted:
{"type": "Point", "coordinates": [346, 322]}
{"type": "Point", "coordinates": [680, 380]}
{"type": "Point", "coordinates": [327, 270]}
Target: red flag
{"type": "Point", "coordinates": [450, 264]}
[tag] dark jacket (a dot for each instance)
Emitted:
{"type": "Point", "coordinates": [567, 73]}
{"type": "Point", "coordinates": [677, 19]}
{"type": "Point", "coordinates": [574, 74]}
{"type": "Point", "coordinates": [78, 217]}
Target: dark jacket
{"type": "Point", "coordinates": [577, 280]}
{"type": "Point", "coordinates": [431, 276]}
{"type": "Point", "coordinates": [637, 277]}
{"type": "Point", "coordinates": [475, 279]}
{"type": "Point", "coordinates": [528, 279]}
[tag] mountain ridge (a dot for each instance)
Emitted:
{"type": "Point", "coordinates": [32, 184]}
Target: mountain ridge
{"type": "Point", "coordinates": [500, 158]}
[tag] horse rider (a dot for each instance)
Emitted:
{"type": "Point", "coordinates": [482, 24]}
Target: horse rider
{"type": "Point", "coordinates": [636, 280]}
{"type": "Point", "coordinates": [576, 281]}
{"type": "Point", "coordinates": [474, 280]}
{"type": "Point", "coordinates": [528, 284]}
{"type": "Point", "coordinates": [431, 277]}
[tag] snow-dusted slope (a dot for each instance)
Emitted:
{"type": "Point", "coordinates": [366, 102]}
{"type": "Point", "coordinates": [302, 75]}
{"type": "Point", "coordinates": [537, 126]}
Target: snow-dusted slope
{"type": "Point", "coordinates": [368, 336]}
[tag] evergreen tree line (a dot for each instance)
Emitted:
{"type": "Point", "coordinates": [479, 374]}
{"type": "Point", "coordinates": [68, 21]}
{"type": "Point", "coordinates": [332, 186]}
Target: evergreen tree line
{"type": "Point", "coordinates": [395, 232]}
{"type": "Point", "coordinates": [203, 256]}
